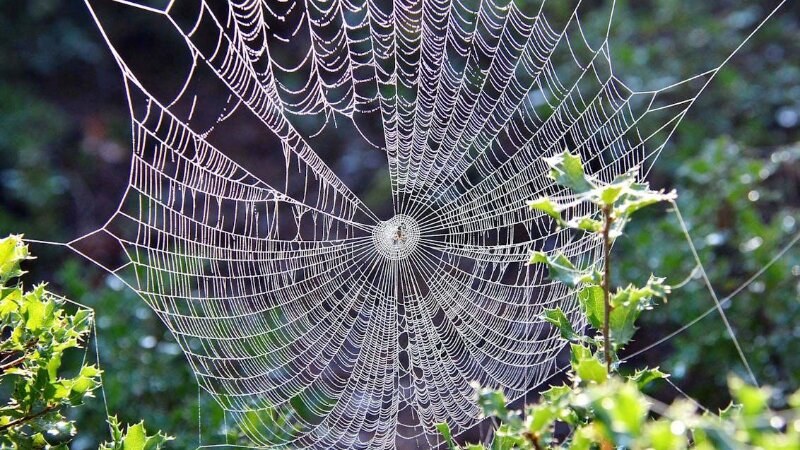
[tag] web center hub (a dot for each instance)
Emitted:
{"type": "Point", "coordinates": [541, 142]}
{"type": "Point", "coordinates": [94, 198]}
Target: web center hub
{"type": "Point", "coordinates": [397, 237]}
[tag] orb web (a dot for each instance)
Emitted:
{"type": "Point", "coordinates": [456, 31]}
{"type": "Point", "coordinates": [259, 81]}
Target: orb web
{"type": "Point", "coordinates": [312, 321]}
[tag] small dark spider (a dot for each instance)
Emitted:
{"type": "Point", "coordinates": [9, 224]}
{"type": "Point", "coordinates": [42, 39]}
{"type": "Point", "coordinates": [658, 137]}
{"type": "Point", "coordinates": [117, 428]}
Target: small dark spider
{"type": "Point", "coordinates": [400, 235]}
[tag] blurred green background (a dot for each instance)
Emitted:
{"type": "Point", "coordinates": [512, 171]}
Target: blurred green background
{"type": "Point", "coordinates": [64, 148]}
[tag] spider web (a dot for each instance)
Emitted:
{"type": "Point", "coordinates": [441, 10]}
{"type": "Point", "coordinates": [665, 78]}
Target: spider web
{"type": "Point", "coordinates": [312, 321]}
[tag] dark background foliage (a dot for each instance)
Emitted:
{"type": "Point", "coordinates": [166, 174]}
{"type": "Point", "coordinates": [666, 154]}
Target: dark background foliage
{"type": "Point", "coordinates": [64, 149]}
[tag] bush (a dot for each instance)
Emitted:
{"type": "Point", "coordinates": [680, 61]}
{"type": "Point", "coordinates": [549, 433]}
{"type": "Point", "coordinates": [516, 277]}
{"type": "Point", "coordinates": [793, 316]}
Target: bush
{"type": "Point", "coordinates": [601, 407]}
{"type": "Point", "coordinates": [37, 333]}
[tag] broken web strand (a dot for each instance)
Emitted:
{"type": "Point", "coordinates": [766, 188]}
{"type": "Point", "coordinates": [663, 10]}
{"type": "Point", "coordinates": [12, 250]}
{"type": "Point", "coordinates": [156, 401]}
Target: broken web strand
{"type": "Point", "coordinates": [713, 293]}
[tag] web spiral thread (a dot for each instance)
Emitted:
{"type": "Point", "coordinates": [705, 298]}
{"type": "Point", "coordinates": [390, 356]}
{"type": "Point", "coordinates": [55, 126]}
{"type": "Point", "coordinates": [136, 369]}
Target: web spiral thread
{"type": "Point", "coordinates": [313, 322]}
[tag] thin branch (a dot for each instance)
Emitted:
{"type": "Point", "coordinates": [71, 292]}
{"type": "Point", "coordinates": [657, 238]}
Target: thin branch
{"type": "Point", "coordinates": [28, 418]}
{"type": "Point", "coordinates": [7, 365]}
{"type": "Point", "coordinates": [533, 439]}
{"type": "Point", "coordinates": [13, 363]}
{"type": "Point", "coordinates": [607, 221]}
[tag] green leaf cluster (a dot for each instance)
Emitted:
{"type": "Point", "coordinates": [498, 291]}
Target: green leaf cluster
{"type": "Point", "coordinates": [615, 413]}
{"type": "Point", "coordinates": [617, 200]}
{"type": "Point", "coordinates": [601, 408]}
{"type": "Point", "coordinates": [36, 334]}
{"type": "Point", "coordinates": [135, 437]}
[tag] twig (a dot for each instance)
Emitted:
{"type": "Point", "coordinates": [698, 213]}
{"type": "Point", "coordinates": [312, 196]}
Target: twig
{"type": "Point", "coordinates": [534, 440]}
{"type": "Point", "coordinates": [13, 363]}
{"type": "Point", "coordinates": [608, 220]}
{"type": "Point", "coordinates": [22, 420]}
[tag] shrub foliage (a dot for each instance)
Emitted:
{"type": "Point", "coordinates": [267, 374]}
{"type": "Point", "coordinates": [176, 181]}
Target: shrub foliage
{"type": "Point", "coordinates": [37, 333]}
{"type": "Point", "coordinates": [600, 407]}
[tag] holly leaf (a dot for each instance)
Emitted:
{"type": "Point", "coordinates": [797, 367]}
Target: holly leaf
{"type": "Point", "coordinates": [12, 252]}
{"type": "Point", "coordinates": [753, 400]}
{"type": "Point", "coordinates": [591, 300]}
{"type": "Point", "coordinates": [444, 429]}
{"type": "Point", "coordinates": [541, 418]}
{"type": "Point", "coordinates": [561, 269]}
{"type": "Point", "coordinates": [83, 385]}
{"type": "Point", "coordinates": [566, 170]}
{"type": "Point", "coordinates": [644, 377]}
{"type": "Point", "coordinates": [621, 323]}
{"type": "Point", "coordinates": [559, 319]}
{"type": "Point", "coordinates": [549, 207]}
{"type": "Point", "coordinates": [35, 311]}
{"type": "Point", "coordinates": [622, 409]}
{"type": "Point", "coordinates": [591, 370]}
{"type": "Point", "coordinates": [609, 194]}
{"type": "Point", "coordinates": [493, 403]}
{"type": "Point", "coordinates": [507, 438]}
{"type": "Point", "coordinates": [134, 438]}
{"type": "Point", "coordinates": [627, 304]}
{"type": "Point", "coordinates": [638, 196]}
{"type": "Point", "coordinates": [586, 366]}
{"type": "Point", "coordinates": [585, 223]}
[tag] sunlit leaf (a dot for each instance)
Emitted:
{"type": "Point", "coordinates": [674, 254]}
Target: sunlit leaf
{"type": "Point", "coordinates": [567, 170]}
{"type": "Point", "coordinates": [643, 377]}
{"type": "Point", "coordinates": [559, 319]}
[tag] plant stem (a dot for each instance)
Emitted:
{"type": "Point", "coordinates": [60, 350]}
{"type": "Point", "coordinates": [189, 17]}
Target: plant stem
{"type": "Point", "coordinates": [22, 420]}
{"type": "Point", "coordinates": [534, 440]}
{"type": "Point", "coordinates": [607, 221]}
{"type": "Point", "coordinates": [13, 363]}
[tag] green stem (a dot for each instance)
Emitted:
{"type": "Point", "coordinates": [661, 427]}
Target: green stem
{"type": "Point", "coordinates": [607, 221]}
